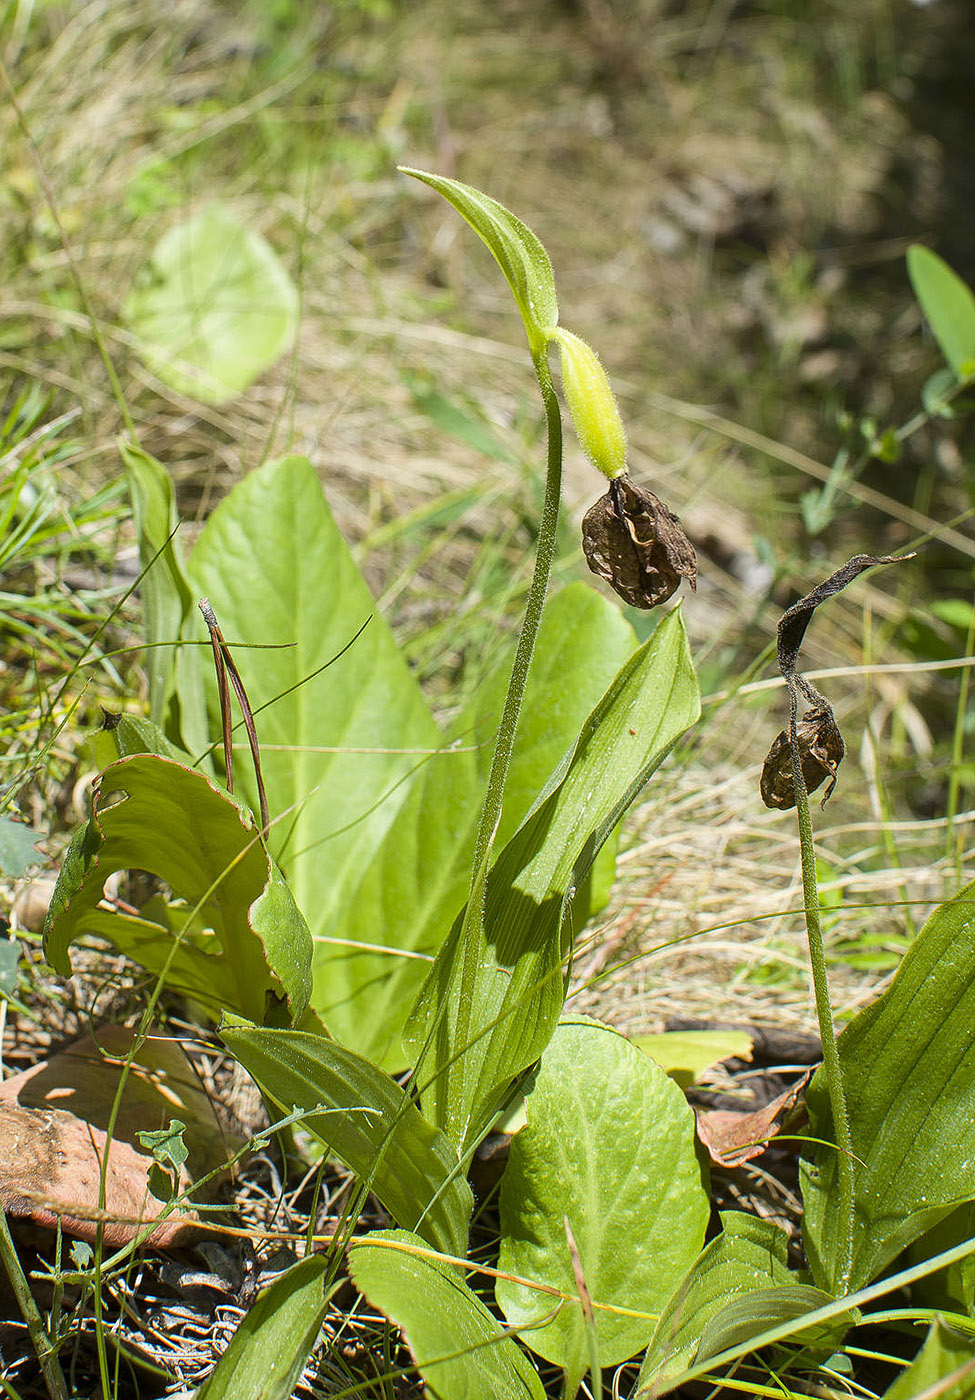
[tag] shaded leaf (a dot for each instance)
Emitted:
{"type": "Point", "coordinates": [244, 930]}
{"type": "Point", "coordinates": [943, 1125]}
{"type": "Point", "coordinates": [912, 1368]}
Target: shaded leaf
{"type": "Point", "coordinates": [495, 992]}
{"type": "Point", "coordinates": [55, 1118]}
{"type": "Point", "coordinates": [593, 1093]}
{"type": "Point", "coordinates": [517, 250]}
{"type": "Point", "coordinates": [943, 1369]}
{"type": "Point", "coordinates": [267, 1353]}
{"type": "Point", "coordinates": [908, 1064]}
{"type": "Point", "coordinates": [214, 309]}
{"type": "Point", "coordinates": [460, 1350]}
{"type": "Point", "coordinates": [366, 1119]}
{"type": "Point", "coordinates": [948, 305]}
{"type": "Point", "coordinates": [149, 813]}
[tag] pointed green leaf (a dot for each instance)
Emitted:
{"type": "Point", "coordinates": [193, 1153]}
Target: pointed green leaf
{"type": "Point", "coordinates": [166, 597]}
{"type": "Point", "coordinates": [610, 1146]}
{"type": "Point", "coordinates": [749, 1255]}
{"type": "Point", "coordinates": [495, 992]}
{"type": "Point", "coordinates": [348, 726]}
{"type": "Point", "coordinates": [518, 252]}
{"type": "Point", "coordinates": [460, 1350]}
{"type": "Point", "coordinates": [215, 307]}
{"type": "Point", "coordinates": [268, 1352]}
{"type": "Point", "coordinates": [366, 1119]}
{"type": "Point", "coordinates": [149, 813]}
{"type": "Point", "coordinates": [419, 879]}
{"type": "Point", "coordinates": [944, 1368]}
{"type": "Point", "coordinates": [908, 1063]}
{"type": "Point", "coordinates": [949, 306]}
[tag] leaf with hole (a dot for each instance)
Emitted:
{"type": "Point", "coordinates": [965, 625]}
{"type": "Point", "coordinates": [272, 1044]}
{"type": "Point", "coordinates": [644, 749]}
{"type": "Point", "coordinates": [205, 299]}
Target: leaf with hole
{"type": "Point", "coordinates": [149, 813]}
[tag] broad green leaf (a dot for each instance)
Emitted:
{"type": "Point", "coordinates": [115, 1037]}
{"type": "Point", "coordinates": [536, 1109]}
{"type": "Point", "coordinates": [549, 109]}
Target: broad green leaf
{"type": "Point", "coordinates": [268, 1352]}
{"type": "Point", "coordinates": [494, 995]}
{"type": "Point", "coordinates": [366, 1119]}
{"type": "Point", "coordinates": [347, 726]}
{"type": "Point", "coordinates": [908, 1065]}
{"type": "Point", "coordinates": [419, 879]}
{"type": "Point", "coordinates": [948, 305]}
{"type": "Point", "coordinates": [214, 308]}
{"type": "Point", "coordinates": [17, 848]}
{"type": "Point", "coordinates": [167, 603]}
{"type": "Point", "coordinates": [517, 250]}
{"type": "Point", "coordinates": [944, 1369]}
{"type": "Point", "coordinates": [749, 1255]}
{"type": "Point", "coordinates": [610, 1147]}
{"type": "Point", "coordinates": [460, 1350]}
{"type": "Point", "coordinates": [685, 1055]}
{"type": "Point", "coordinates": [248, 947]}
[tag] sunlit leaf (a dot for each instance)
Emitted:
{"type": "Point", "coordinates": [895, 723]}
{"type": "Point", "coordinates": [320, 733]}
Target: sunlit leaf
{"type": "Point", "coordinates": [948, 305]}
{"type": "Point", "coordinates": [366, 1119]}
{"type": "Point", "coordinates": [267, 1353]}
{"type": "Point", "coordinates": [214, 308]}
{"type": "Point", "coordinates": [460, 1349]}
{"type": "Point", "coordinates": [610, 1147]}
{"type": "Point", "coordinates": [908, 1065]}
{"type": "Point", "coordinates": [518, 251]}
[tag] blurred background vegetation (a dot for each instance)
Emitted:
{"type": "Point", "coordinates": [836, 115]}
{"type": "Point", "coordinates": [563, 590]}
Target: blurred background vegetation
{"type": "Point", "coordinates": [727, 191]}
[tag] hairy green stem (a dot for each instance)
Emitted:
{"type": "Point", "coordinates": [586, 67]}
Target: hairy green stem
{"type": "Point", "coordinates": [824, 1008]}
{"type": "Point", "coordinates": [50, 1365]}
{"type": "Point", "coordinates": [544, 558]}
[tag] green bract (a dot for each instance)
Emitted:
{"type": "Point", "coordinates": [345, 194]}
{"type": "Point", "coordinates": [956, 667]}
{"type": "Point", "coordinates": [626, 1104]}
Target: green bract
{"type": "Point", "coordinates": [592, 404]}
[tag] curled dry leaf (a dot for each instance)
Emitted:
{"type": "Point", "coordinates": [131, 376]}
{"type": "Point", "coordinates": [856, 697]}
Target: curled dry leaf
{"type": "Point", "coordinates": [821, 751]}
{"type": "Point", "coordinates": [53, 1137]}
{"type": "Point", "coordinates": [637, 545]}
{"type": "Point", "coordinates": [734, 1137]}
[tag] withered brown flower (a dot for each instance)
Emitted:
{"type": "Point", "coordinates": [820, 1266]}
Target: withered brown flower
{"type": "Point", "coordinates": [821, 751]}
{"type": "Point", "coordinates": [637, 545]}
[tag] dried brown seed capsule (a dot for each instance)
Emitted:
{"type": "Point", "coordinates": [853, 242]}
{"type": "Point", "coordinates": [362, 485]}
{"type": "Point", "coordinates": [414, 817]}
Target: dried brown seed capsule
{"type": "Point", "coordinates": [821, 751]}
{"type": "Point", "coordinates": [637, 545]}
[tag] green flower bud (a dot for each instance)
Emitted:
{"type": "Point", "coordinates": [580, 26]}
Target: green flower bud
{"type": "Point", "coordinates": [597, 421]}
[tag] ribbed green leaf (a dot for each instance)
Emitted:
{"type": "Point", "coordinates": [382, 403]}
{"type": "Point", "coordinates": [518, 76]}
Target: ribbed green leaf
{"type": "Point", "coordinates": [908, 1067]}
{"type": "Point", "coordinates": [460, 1350]}
{"type": "Point", "coordinates": [366, 1119]}
{"type": "Point", "coordinates": [948, 305]}
{"type": "Point", "coordinates": [495, 992]}
{"type": "Point", "coordinates": [268, 1351]}
{"type": "Point", "coordinates": [517, 250]}
{"type": "Point", "coordinates": [610, 1147]}
{"type": "Point", "coordinates": [174, 823]}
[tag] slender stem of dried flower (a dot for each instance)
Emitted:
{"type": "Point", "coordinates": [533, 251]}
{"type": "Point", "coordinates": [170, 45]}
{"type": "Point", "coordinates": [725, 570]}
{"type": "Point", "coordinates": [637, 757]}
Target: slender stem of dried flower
{"type": "Point", "coordinates": [832, 1068]}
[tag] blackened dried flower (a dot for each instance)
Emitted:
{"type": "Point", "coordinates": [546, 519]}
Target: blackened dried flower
{"type": "Point", "coordinates": [818, 739]}
{"type": "Point", "coordinates": [821, 751]}
{"type": "Point", "coordinates": [637, 545]}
